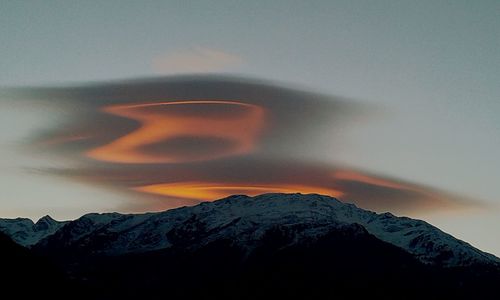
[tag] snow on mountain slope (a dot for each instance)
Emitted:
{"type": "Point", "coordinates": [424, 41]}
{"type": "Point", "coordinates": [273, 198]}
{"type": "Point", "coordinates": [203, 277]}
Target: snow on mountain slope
{"type": "Point", "coordinates": [26, 233]}
{"type": "Point", "coordinates": [244, 220]}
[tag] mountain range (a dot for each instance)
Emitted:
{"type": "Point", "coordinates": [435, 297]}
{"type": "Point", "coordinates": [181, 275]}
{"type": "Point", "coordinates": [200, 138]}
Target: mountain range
{"type": "Point", "coordinates": [280, 245]}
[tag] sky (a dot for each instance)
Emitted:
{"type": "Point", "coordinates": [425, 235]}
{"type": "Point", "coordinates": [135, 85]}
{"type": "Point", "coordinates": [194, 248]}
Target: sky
{"type": "Point", "coordinates": [391, 105]}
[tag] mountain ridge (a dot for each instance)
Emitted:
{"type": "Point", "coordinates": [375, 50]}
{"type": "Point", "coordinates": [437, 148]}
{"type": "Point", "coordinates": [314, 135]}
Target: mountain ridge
{"type": "Point", "coordinates": [244, 220]}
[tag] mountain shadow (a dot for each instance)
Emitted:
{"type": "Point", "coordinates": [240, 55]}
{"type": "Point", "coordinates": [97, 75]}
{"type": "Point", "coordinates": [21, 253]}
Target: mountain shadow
{"type": "Point", "coordinates": [345, 263]}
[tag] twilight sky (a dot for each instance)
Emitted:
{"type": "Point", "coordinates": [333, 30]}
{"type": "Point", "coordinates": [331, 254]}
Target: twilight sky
{"type": "Point", "coordinates": [392, 105]}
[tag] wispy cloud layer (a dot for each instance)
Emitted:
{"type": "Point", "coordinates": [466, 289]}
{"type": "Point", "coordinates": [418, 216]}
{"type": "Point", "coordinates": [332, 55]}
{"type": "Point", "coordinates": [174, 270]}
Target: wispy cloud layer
{"type": "Point", "coordinates": [196, 60]}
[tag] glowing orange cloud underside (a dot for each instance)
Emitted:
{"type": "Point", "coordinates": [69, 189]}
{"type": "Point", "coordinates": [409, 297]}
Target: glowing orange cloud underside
{"type": "Point", "coordinates": [210, 191]}
{"type": "Point", "coordinates": [362, 178]}
{"type": "Point", "coordinates": [157, 127]}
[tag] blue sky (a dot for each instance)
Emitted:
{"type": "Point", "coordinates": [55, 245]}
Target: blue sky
{"type": "Point", "coordinates": [431, 68]}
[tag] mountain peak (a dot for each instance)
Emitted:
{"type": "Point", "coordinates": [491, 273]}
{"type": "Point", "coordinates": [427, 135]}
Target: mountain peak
{"type": "Point", "coordinates": [46, 219]}
{"type": "Point", "coordinates": [286, 203]}
{"type": "Point", "coordinates": [46, 223]}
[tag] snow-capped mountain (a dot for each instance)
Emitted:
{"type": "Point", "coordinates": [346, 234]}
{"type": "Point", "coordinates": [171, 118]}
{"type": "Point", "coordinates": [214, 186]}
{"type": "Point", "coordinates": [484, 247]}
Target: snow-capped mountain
{"type": "Point", "coordinates": [245, 221]}
{"type": "Point", "coordinates": [26, 233]}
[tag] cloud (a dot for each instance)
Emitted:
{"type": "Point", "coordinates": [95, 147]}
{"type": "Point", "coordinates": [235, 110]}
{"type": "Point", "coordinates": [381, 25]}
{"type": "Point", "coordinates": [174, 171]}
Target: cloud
{"type": "Point", "coordinates": [195, 136]}
{"type": "Point", "coordinates": [210, 180]}
{"type": "Point", "coordinates": [196, 60]}
{"type": "Point", "coordinates": [186, 139]}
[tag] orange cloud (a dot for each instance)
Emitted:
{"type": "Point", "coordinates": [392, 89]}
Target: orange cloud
{"type": "Point", "coordinates": [240, 131]}
{"type": "Point", "coordinates": [209, 191]}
